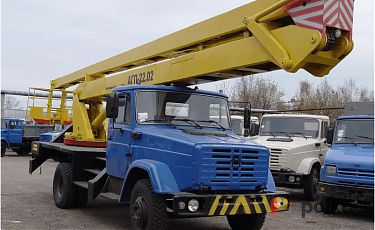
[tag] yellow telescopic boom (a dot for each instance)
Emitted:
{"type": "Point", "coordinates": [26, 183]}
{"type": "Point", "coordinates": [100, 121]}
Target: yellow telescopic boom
{"type": "Point", "coordinates": [262, 36]}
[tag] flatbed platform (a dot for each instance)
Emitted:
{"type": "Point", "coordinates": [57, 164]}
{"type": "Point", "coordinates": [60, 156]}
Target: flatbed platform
{"type": "Point", "coordinates": [69, 148]}
{"type": "Point", "coordinates": [41, 151]}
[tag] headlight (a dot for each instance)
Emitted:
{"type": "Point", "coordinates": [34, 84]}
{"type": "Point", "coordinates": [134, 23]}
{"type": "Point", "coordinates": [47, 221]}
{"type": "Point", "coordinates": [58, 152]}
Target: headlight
{"type": "Point", "coordinates": [331, 169]}
{"type": "Point", "coordinates": [193, 205]}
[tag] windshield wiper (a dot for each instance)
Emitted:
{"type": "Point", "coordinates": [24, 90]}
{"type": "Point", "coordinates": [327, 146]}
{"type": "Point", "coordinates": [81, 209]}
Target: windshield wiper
{"type": "Point", "coordinates": [349, 138]}
{"type": "Point", "coordinates": [286, 133]}
{"type": "Point", "coordinates": [364, 137]}
{"type": "Point", "coordinates": [189, 121]}
{"type": "Point", "coordinates": [302, 134]}
{"type": "Point", "coordinates": [214, 122]}
{"type": "Point", "coordinates": [157, 120]}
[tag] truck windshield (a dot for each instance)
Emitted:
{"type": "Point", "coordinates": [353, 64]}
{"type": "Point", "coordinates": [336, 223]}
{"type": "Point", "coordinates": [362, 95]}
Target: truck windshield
{"type": "Point", "coordinates": [357, 131]}
{"type": "Point", "coordinates": [164, 107]}
{"type": "Point", "coordinates": [293, 126]}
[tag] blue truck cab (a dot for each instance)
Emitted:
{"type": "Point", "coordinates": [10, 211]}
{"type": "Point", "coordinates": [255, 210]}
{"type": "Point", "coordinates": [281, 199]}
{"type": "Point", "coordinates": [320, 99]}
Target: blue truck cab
{"type": "Point", "coordinates": [347, 175]}
{"type": "Point", "coordinates": [172, 132]}
{"type": "Point", "coordinates": [170, 152]}
{"type": "Point", "coordinates": [11, 134]}
{"type": "Point", "coordinates": [18, 134]}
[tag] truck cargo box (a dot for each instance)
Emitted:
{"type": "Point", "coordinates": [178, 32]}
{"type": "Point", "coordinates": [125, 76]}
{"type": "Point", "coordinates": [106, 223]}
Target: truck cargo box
{"type": "Point", "coordinates": [34, 131]}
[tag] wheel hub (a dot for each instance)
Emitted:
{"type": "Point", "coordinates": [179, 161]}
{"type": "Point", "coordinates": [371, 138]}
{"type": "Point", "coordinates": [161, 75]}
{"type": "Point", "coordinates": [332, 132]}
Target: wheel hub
{"type": "Point", "coordinates": [60, 185]}
{"type": "Point", "coordinates": [139, 211]}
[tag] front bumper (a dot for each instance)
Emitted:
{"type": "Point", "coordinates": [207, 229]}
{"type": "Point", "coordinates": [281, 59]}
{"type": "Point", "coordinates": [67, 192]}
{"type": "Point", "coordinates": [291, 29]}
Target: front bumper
{"type": "Point", "coordinates": [282, 179]}
{"type": "Point", "coordinates": [231, 204]}
{"type": "Point", "coordinates": [363, 195]}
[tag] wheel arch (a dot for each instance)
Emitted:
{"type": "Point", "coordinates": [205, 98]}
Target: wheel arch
{"type": "Point", "coordinates": [159, 174]}
{"type": "Point", "coordinates": [307, 164]}
{"type": "Point", "coordinates": [4, 141]}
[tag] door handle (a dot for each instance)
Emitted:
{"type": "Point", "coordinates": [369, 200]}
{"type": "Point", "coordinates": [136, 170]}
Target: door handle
{"type": "Point", "coordinates": [317, 144]}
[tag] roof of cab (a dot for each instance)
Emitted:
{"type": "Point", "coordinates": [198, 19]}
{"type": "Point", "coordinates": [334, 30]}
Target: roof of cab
{"type": "Point", "coordinates": [356, 117]}
{"type": "Point", "coordinates": [11, 118]}
{"type": "Point", "coordinates": [168, 88]}
{"type": "Point", "coordinates": [297, 115]}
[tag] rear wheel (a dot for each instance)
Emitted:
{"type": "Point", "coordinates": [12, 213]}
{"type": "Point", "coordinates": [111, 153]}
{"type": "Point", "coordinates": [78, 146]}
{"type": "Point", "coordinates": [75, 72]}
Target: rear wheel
{"type": "Point", "coordinates": [246, 222]}
{"type": "Point", "coordinates": [18, 151]}
{"type": "Point", "coordinates": [311, 188]}
{"type": "Point", "coordinates": [63, 189]}
{"type": "Point", "coordinates": [21, 151]}
{"type": "Point", "coordinates": [328, 205]}
{"type": "Point", "coordinates": [147, 209]}
{"type": "Point", "coordinates": [3, 150]}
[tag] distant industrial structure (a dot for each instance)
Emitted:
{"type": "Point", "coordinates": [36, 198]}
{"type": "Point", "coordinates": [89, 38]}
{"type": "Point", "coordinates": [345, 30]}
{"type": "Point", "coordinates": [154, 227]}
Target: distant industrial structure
{"type": "Point", "coordinates": [20, 113]}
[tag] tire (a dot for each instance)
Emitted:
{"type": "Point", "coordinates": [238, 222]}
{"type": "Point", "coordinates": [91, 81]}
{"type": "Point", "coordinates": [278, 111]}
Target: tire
{"type": "Point", "coordinates": [328, 205]}
{"type": "Point", "coordinates": [26, 150]}
{"type": "Point", "coordinates": [19, 152]}
{"type": "Point", "coordinates": [246, 222]}
{"type": "Point", "coordinates": [63, 189]}
{"type": "Point", "coordinates": [147, 209]}
{"type": "Point", "coordinates": [3, 150]}
{"type": "Point", "coordinates": [23, 151]}
{"type": "Point", "coordinates": [311, 188]}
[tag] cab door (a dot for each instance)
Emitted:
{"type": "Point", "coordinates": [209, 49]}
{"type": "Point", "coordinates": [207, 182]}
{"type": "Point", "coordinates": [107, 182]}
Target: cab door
{"type": "Point", "coordinates": [119, 139]}
{"type": "Point", "coordinates": [15, 131]}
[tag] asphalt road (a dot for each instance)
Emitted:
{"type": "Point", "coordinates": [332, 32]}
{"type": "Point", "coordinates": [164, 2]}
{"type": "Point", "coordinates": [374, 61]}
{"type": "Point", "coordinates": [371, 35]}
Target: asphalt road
{"type": "Point", "coordinates": [27, 203]}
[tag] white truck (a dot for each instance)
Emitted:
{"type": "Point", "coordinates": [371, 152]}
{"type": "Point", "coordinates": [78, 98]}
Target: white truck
{"type": "Point", "coordinates": [237, 122]}
{"type": "Point", "coordinates": [297, 146]}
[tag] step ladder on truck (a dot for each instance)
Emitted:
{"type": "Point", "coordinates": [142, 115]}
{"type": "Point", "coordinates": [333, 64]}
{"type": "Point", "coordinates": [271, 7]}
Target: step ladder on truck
{"type": "Point", "coordinates": [163, 152]}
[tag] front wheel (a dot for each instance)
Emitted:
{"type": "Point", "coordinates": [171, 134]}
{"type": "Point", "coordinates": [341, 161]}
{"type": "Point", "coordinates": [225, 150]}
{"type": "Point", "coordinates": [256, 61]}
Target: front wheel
{"type": "Point", "coordinates": [328, 205]}
{"type": "Point", "coordinates": [147, 209]}
{"type": "Point", "coordinates": [311, 188]}
{"type": "Point", "coordinates": [246, 222]}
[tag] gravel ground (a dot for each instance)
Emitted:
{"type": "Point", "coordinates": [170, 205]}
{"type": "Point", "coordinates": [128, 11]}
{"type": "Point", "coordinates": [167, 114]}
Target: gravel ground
{"type": "Point", "coordinates": [27, 203]}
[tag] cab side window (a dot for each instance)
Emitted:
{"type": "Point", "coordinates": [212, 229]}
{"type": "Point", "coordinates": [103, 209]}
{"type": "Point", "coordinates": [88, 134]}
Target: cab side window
{"type": "Point", "coordinates": [13, 125]}
{"type": "Point", "coordinates": [124, 110]}
{"type": "Point", "coordinates": [325, 127]}
{"type": "Point", "coordinates": [127, 111]}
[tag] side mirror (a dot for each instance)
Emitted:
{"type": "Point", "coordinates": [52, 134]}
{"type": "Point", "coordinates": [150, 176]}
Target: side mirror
{"type": "Point", "coordinates": [254, 129]}
{"type": "Point", "coordinates": [111, 108]}
{"type": "Point", "coordinates": [330, 135]}
{"type": "Point", "coordinates": [247, 121]}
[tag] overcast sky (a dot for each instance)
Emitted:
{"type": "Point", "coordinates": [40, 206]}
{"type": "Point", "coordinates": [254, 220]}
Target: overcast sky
{"type": "Point", "coordinates": [44, 39]}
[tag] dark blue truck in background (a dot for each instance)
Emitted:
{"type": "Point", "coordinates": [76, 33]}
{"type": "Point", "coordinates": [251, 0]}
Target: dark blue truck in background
{"type": "Point", "coordinates": [347, 175]}
{"type": "Point", "coordinates": [18, 134]}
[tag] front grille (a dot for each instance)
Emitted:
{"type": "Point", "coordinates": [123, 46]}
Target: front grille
{"type": "Point", "coordinates": [356, 172]}
{"type": "Point", "coordinates": [359, 177]}
{"type": "Point", "coordinates": [277, 158]}
{"type": "Point", "coordinates": [233, 168]}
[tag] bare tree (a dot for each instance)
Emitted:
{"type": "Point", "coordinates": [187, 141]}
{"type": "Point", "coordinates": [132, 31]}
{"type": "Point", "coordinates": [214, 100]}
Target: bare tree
{"type": "Point", "coordinates": [262, 93]}
{"type": "Point", "coordinates": [11, 102]}
{"type": "Point", "coordinates": [366, 95]}
{"type": "Point", "coordinates": [303, 96]}
{"type": "Point", "coordinates": [325, 96]}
